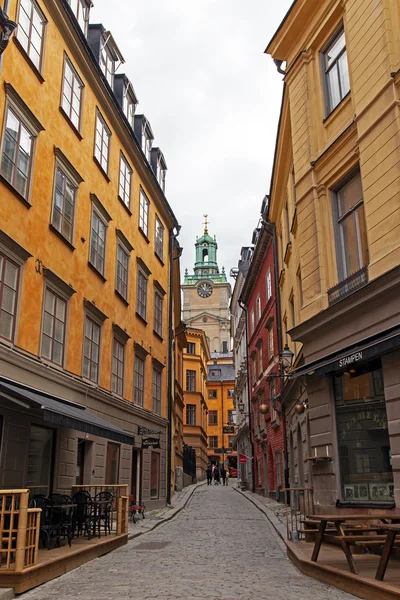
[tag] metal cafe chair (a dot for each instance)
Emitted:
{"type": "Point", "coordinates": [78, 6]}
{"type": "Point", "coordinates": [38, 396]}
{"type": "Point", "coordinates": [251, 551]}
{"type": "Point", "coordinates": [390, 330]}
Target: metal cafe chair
{"type": "Point", "coordinates": [83, 513]}
{"type": "Point", "coordinates": [102, 512]}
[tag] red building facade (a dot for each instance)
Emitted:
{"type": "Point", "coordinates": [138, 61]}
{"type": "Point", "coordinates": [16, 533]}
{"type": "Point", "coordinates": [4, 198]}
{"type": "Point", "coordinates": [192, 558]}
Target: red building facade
{"type": "Point", "coordinates": [259, 297]}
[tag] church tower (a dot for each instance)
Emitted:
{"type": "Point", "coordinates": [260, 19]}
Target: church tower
{"type": "Point", "coordinates": [207, 293]}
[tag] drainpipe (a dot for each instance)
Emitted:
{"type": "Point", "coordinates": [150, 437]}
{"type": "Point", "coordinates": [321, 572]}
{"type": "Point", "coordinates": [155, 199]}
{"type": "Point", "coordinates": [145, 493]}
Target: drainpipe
{"type": "Point", "coordinates": [253, 482]}
{"type": "Point", "coordinates": [173, 243]}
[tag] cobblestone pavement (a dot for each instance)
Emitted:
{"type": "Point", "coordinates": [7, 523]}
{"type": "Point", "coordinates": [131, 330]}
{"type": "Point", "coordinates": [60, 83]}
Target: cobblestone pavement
{"type": "Point", "coordinates": [219, 547]}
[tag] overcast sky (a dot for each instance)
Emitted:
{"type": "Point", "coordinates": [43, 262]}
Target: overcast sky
{"type": "Point", "coordinates": [212, 98]}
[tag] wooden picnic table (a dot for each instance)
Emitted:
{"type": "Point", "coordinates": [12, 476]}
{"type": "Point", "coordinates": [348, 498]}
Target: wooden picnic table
{"type": "Point", "coordinates": [392, 531]}
{"type": "Point", "coordinates": [338, 520]}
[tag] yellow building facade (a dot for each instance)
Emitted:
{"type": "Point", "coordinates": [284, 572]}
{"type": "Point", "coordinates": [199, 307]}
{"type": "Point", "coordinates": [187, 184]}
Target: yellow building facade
{"type": "Point", "coordinates": [85, 230]}
{"type": "Point", "coordinates": [195, 359]}
{"type": "Point", "coordinates": [335, 203]}
{"type": "Point", "coordinates": [221, 413]}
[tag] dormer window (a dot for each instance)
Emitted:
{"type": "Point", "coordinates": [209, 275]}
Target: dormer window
{"type": "Point", "coordinates": [105, 50]}
{"type": "Point", "coordinates": [159, 166]}
{"type": "Point", "coordinates": [81, 9]}
{"type": "Point", "coordinates": [107, 63]}
{"type": "Point", "coordinates": [144, 135]}
{"type": "Point", "coordinates": [129, 104]}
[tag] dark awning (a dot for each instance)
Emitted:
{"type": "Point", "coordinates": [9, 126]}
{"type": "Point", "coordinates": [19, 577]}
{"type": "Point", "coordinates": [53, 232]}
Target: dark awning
{"type": "Point", "coordinates": [64, 413]}
{"type": "Point", "coordinates": [354, 355]}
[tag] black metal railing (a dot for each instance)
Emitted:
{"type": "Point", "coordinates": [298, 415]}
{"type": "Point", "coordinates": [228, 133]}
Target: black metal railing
{"type": "Point", "coordinates": [346, 287]}
{"type": "Point", "coordinates": [189, 461]}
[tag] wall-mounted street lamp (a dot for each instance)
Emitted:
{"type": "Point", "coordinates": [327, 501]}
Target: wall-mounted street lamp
{"type": "Point", "coordinates": [285, 369]}
{"type": "Point", "coordinates": [241, 406]}
{"type": "Point", "coordinates": [6, 29]}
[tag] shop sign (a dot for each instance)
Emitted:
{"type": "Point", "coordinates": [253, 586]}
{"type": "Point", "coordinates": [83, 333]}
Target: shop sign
{"type": "Point", "coordinates": [242, 459]}
{"type": "Point", "coordinates": [350, 359]}
{"type": "Point", "coordinates": [150, 442]}
{"type": "Point", "coordinates": [146, 431]}
{"type": "Point", "coordinates": [228, 450]}
{"type": "Point", "coordinates": [228, 429]}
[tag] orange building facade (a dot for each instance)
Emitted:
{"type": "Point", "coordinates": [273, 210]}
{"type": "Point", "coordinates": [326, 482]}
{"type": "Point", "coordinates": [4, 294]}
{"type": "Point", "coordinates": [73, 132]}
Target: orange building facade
{"type": "Point", "coordinates": [195, 359]}
{"type": "Point", "coordinates": [84, 259]}
{"type": "Point", "coordinates": [221, 413]}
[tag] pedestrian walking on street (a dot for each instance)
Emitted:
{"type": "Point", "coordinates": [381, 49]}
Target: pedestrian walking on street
{"type": "Point", "coordinates": [223, 475]}
{"type": "Point", "coordinates": [209, 475]}
{"type": "Point", "coordinates": [216, 476]}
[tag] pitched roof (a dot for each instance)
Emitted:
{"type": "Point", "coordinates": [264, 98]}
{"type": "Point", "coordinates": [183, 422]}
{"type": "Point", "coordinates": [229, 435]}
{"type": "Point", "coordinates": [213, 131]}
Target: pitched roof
{"type": "Point", "coordinates": [221, 372]}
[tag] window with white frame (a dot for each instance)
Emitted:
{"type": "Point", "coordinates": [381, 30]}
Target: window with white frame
{"type": "Point", "coordinates": [159, 239]}
{"type": "Point", "coordinates": [144, 213]}
{"type": "Point", "coordinates": [258, 307]}
{"type": "Point", "coordinates": [9, 289]}
{"type": "Point", "coordinates": [117, 369]}
{"type": "Point", "coordinates": [141, 295]}
{"type": "Point", "coordinates": [129, 103]}
{"type": "Point", "coordinates": [191, 348]}
{"type": "Point", "coordinates": [336, 70]}
{"type": "Point", "coordinates": [252, 321]}
{"type": "Point", "coordinates": [102, 142]}
{"type": "Point", "coordinates": [91, 350]}
{"type": "Point", "coordinates": [98, 242]}
{"type": "Point", "coordinates": [71, 98]}
{"type": "Point", "coordinates": [147, 143]}
{"type": "Point", "coordinates": [64, 204]}
{"type": "Point", "coordinates": [351, 234]}
{"type": "Point", "coordinates": [270, 343]}
{"type": "Point", "coordinates": [125, 178]}
{"type": "Point", "coordinates": [268, 283]}
{"type": "Point", "coordinates": [121, 284]}
{"type": "Point", "coordinates": [232, 417]}
{"type": "Point", "coordinates": [16, 160]}
{"type": "Point", "coordinates": [138, 383]}
{"type": "Point", "coordinates": [81, 11]}
{"type": "Point", "coordinates": [260, 357]}
{"type": "Point", "coordinates": [30, 32]}
{"type": "Point", "coordinates": [107, 62]}
{"type": "Point", "coordinates": [158, 313]}
{"type": "Point", "coordinates": [53, 326]}
{"type": "Point", "coordinates": [157, 381]}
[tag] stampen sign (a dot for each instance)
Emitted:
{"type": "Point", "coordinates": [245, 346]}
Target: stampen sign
{"type": "Point", "coordinates": [150, 442]}
{"type": "Point", "coordinates": [350, 359]}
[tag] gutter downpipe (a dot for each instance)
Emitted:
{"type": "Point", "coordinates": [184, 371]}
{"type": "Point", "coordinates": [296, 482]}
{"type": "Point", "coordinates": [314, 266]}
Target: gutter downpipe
{"type": "Point", "coordinates": [172, 240]}
{"type": "Point", "coordinates": [253, 483]}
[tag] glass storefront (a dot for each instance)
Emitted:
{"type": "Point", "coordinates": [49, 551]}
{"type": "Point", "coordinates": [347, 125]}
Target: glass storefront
{"type": "Point", "coordinates": [363, 437]}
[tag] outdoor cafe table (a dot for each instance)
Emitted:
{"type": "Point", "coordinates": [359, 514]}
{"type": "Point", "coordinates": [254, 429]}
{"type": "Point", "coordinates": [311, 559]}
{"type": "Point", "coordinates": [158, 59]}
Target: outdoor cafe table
{"type": "Point", "coordinates": [338, 520]}
{"type": "Point", "coordinates": [391, 531]}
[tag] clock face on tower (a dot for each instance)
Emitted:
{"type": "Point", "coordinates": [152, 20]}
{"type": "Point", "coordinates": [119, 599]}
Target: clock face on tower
{"type": "Point", "coordinates": [204, 289]}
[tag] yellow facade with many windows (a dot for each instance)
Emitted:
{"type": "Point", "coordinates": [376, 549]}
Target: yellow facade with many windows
{"type": "Point", "coordinates": [85, 227]}
{"type": "Point", "coordinates": [335, 203]}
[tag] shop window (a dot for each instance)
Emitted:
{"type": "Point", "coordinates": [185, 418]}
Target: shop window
{"type": "Point", "coordinates": [155, 475]}
{"type": "Point", "coordinates": [112, 464]}
{"type": "Point", "coordinates": [40, 455]}
{"type": "Point", "coordinates": [363, 438]}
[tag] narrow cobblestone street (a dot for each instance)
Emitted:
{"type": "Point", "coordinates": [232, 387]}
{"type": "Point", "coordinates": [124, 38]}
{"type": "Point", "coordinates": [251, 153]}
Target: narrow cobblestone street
{"type": "Point", "coordinates": [219, 547]}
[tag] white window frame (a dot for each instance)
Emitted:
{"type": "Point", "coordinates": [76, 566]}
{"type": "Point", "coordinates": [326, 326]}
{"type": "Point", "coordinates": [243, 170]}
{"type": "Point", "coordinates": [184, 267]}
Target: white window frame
{"type": "Point", "coordinates": [81, 10]}
{"type": "Point", "coordinates": [25, 38]}
{"type": "Point", "coordinates": [157, 390]}
{"type": "Point", "coordinates": [139, 380]}
{"type": "Point", "coordinates": [159, 239]}
{"type": "Point", "coordinates": [268, 280]}
{"type": "Point", "coordinates": [75, 90]}
{"type": "Point", "coordinates": [102, 142]}
{"type": "Point", "coordinates": [123, 270]}
{"type": "Point", "coordinates": [93, 323]}
{"type": "Point", "coordinates": [158, 313]}
{"type": "Point", "coordinates": [144, 210]}
{"type": "Point", "coordinates": [100, 219]}
{"type": "Point", "coordinates": [73, 179]}
{"type": "Point", "coordinates": [115, 362]}
{"type": "Point", "coordinates": [335, 69]}
{"type": "Point", "coordinates": [142, 294]}
{"type": "Point", "coordinates": [107, 62]}
{"type": "Point", "coordinates": [125, 181]}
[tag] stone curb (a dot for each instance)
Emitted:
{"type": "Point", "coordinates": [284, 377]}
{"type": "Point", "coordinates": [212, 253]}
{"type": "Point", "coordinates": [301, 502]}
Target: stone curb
{"type": "Point", "coordinates": [7, 594]}
{"type": "Point", "coordinates": [170, 513]}
{"type": "Point", "coordinates": [272, 518]}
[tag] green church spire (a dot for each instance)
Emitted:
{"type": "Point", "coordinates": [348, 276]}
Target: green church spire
{"type": "Point", "coordinates": [206, 265]}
